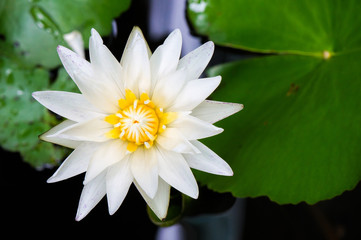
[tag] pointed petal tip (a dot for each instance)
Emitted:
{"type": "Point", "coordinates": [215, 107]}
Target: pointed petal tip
{"type": "Point", "coordinates": [237, 107]}
{"type": "Point", "coordinates": [195, 195]}
{"type": "Point", "coordinates": [209, 46]}
{"type": "Point", "coordinates": [50, 180]}
{"type": "Point", "coordinates": [226, 171]}
{"type": "Point", "coordinates": [161, 215]}
{"type": "Point", "coordinates": [137, 32]}
{"type": "Point", "coordinates": [219, 130]}
{"type": "Point", "coordinates": [177, 32]}
{"type": "Point", "coordinates": [176, 37]}
{"type": "Point", "coordinates": [60, 48]}
{"type": "Point", "coordinates": [112, 210]}
{"type": "Point", "coordinates": [79, 215]}
{"type": "Point", "coordinates": [63, 52]}
{"type": "Point", "coordinates": [78, 218]}
{"type": "Point", "coordinates": [136, 29]}
{"type": "Point", "coordinates": [96, 36]}
{"type": "Point", "coordinates": [41, 137]}
{"type": "Point", "coordinates": [35, 94]}
{"type": "Point", "coordinates": [82, 212]}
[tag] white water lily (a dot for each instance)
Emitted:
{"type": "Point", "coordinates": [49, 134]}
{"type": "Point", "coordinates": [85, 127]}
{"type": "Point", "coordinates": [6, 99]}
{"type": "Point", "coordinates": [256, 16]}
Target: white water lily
{"type": "Point", "coordinates": [137, 121]}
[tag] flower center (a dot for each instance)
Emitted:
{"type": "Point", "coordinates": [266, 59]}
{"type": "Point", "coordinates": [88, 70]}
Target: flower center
{"type": "Point", "coordinates": [138, 121]}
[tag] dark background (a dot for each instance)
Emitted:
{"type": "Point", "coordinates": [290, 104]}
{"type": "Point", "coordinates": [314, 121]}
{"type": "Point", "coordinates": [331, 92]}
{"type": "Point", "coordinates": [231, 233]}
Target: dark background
{"type": "Point", "coordinates": [31, 207]}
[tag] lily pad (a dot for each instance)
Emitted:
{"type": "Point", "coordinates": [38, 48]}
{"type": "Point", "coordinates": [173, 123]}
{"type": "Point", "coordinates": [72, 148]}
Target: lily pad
{"type": "Point", "coordinates": [36, 27]}
{"type": "Point", "coordinates": [302, 27]}
{"type": "Point", "coordinates": [22, 119]}
{"type": "Point", "coordinates": [298, 137]}
{"type": "Point", "coordinates": [29, 34]}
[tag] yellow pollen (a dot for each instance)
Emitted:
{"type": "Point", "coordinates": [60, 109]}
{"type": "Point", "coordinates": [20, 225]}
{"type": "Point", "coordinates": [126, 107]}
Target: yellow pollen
{"type": "Point", "coordinates": [138, 121]}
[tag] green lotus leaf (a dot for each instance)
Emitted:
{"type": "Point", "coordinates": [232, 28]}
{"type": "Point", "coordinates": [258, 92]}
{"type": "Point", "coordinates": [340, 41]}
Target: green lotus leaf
{"type": "Point", "coordinates": [298, 137]}
{"type": "Point", "coordinates": [36, 27]}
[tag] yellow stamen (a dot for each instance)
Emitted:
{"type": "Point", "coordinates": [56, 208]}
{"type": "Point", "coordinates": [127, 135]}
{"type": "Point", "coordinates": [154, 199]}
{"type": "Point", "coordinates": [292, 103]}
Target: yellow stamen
{"type": "Point", "coordinates": [161, 128]}
{"type": "Point", "coordinates": [150, 136]}
{"type": "Point", "coordinates": [129, 99]}
{"type": "Point", "coordinates": [169, 117]}
{"type": "Point", "coordinates": [138, 122]}
{"type": "Point", "coordinates": [149, 103]}
{"type": "Point", "coordinates": [147, 145]}
{"type": "Point", "coordinates": [112, 119]}
{"type": "Point", "coordinates": [114, 133]}
{"type": "Point", "coordinates": [144, 97]}
{"type": "Point", "coordinates": [122, 103]}
{"type": "Point", "coordinates": [130, 96]}
{"type": "Point", "coordinates": [159, 112]}
{"type": "Point", "coordinates": [132, 147]}
{"type": "Point", "coordinates": [121, 135]}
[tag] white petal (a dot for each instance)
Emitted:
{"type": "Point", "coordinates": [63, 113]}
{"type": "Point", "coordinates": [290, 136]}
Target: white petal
{"type": "Point", "coordinates": [171, 139]}
{"type": "Point", "coordinates": [135, 35]}
{"type": "Point", "coordinates": [175, 171]}
{"type": "Point", "coordinates": [159, 204]}
{"type": "Point", "coordinates": [194, 92]}
{"type": "Point", "coordinates": [168, 88]}
{"type": "Point", "coordinates": [107, 154]}
{"type": "Point", "coordinates": [118, 181]}
{"type": "Point", "coordinates": [75, 40]}
{"type": "Point", "coordinates": [208, 161]}
{"type": "Point", "coordinates": [136, 68]}
{"type": "Point", "coordinates": [91, 195]}
{"type": "Point", "coordinates": [77, 67]}
{"type": "Point", "coordinates": [214, 111]}
{"type": "Point", "coordinates": [166, 57]}
{"type": "Point", "coordinates": [93, 130]}
{"type": "Point", "coordinates": [196, 61]}
{"type": "Point", "coordinates": [76, 163]}
{"type": "Point", "coordinates": [70, 105]}
{"type": "Point", "coordinates": [106, 65]}
{"type": "Point", "coordinates": [145, 170]}
{"type": "Point", "coordinates": [193, 128]}
{"type": "Point", "coordinates": [49, 135]}
{"type": "Point", "coordinates": [84, 77]}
